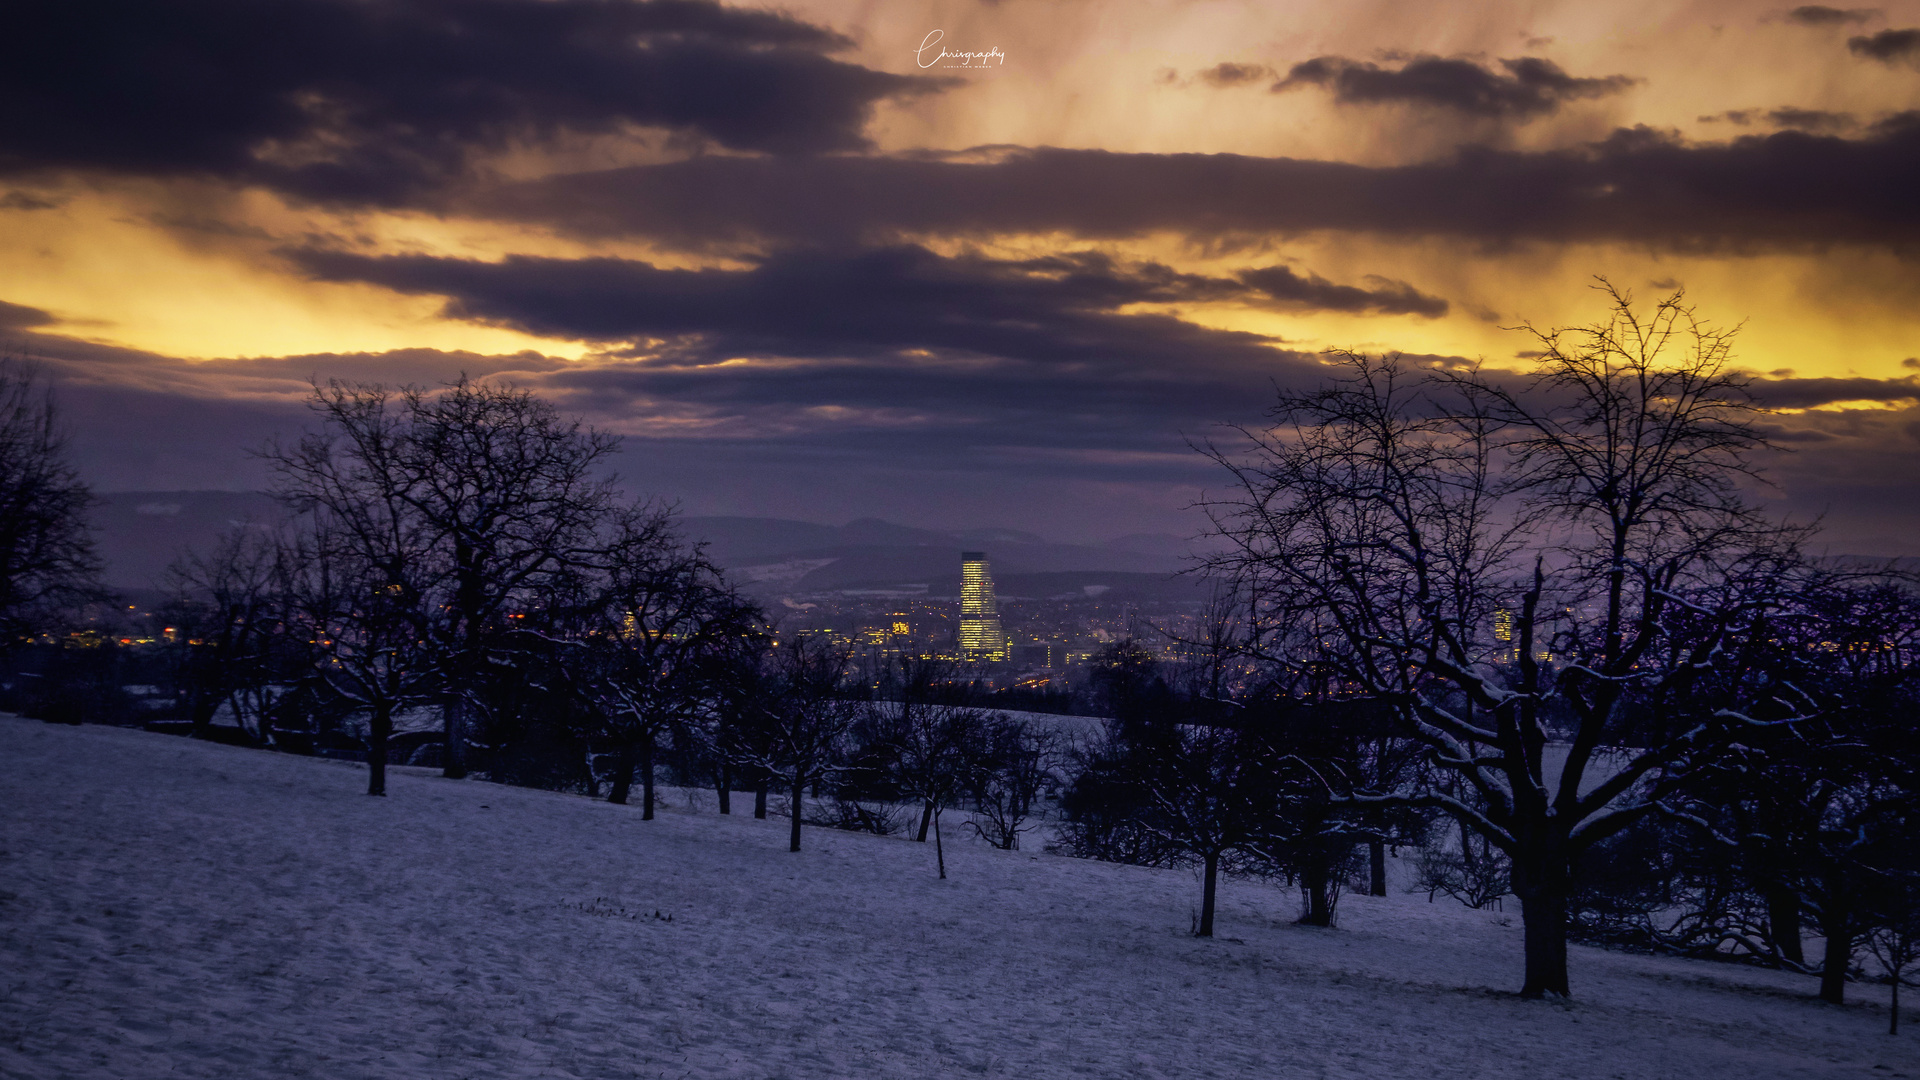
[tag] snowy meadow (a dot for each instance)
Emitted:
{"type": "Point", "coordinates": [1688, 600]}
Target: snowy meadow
{"type": "Point", "coordinates": [170, 907]}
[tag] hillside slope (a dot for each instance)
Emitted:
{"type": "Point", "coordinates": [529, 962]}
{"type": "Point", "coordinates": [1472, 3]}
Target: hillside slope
{"type": "Point", "coordinates": [175, 908]}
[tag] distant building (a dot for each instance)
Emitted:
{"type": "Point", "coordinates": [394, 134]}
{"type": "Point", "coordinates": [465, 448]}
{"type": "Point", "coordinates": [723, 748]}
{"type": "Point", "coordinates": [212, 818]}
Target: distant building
{"type": "Point", "coordinates": [981, 636]}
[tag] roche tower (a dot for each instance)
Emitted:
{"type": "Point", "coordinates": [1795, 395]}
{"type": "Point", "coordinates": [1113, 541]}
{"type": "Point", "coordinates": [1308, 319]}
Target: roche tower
{"type": "Point", "coordinates": [981, 637]}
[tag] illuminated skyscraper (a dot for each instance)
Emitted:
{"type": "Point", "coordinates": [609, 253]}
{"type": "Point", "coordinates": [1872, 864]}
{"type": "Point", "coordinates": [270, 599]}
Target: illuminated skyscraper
{"type": "Point", "coordinates": [981, 637]}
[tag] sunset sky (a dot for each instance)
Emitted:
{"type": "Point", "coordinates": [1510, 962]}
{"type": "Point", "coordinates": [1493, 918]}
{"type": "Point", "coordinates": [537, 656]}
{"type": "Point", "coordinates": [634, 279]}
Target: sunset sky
{"type": "Point", "coordinates": [812, 269]}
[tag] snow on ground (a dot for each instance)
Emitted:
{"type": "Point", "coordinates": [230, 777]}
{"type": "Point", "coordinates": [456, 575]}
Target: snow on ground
{"type": "Point", "coordinates": [179, 908]}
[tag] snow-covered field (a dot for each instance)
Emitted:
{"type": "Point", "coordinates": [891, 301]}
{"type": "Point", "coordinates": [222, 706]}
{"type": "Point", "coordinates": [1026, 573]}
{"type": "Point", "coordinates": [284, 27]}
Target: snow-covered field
{"type": "Point", "coordinates": [178, 908]}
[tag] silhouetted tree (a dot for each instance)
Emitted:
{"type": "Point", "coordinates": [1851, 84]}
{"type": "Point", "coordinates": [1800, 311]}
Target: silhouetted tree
{"type": "Point", "coordinates": [227, 614]}
{"type": "Point", "coordinates": [1894, 939]}
{"type": "Point", "coordinates": [1212, 794]}
{"type": "Point", "coordinates": [666, 620]}
{"type": "Point", "coordinates": [1013, 771]}
{"type": "Point", "coordinates": [1126, 683]}
{"type": "Point", "coordinates": [934, 741]}
{"type": "Point", "coordinates": [804, 718]}
{"type": "Point", "coordinates": [356, 588]}
{"type": "Point", "coordinates": [736, 729]}
{"type": "Point", "coordinates": [1398, 511]}
{"type": "Point", "coordinates": [47, 561]}
{"type": "Point", "coordinates": [1798, 816]}
{"type": "Point", "coordinates": [492, 481]}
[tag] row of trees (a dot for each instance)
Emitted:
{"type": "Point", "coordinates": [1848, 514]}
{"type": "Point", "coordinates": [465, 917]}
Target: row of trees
{"type": "Point", "coordinates": [1806, 826]}
{"type": "Point", "coordinates": [466, 553]}
{"type": "Point", "coordinates": [463, 550]}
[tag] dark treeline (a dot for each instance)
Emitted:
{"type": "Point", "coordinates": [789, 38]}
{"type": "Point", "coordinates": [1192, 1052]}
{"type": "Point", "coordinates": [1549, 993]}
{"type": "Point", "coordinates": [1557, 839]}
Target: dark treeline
{"type": "Point", "coordinates": [1532, 633]}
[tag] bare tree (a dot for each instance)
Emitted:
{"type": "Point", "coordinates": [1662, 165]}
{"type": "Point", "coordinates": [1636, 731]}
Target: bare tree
{"type": "Point", "coordinates": [1212, 794]}
{"type": "Point", "coordinates": [227, 611]}
{"type": "Point", "coordinates": [934, 739]}
{"type": "Point", "coordinates": [354, 588]}
{"type": "Point", "coordinates": [667, 620]}
{"type": "Point", "coordinates": [736, 732]}
{"type": "Point", "coordinates": [1895, 938]}
{"type": "Point", "coordinates": [491, 479]}
{"type": "Point", "coordinates": [1797, 819]}
{"type": "Point", "coordinates": [47, 561]}
{"type": "Point", "coordinates": [1013, 772]}
{"type": "Point", "coordinates": [803, 719]}
{"type": "Point", "coordinates": [1470, 552]}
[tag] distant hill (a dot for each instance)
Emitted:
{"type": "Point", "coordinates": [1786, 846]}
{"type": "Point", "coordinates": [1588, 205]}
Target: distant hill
{"type": "Point", "coordinates": [141, 533]}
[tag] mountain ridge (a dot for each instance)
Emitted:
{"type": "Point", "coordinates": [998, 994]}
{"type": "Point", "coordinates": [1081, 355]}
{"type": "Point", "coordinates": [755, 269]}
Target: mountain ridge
{"type": "Point", "coordinates": [140, 533]}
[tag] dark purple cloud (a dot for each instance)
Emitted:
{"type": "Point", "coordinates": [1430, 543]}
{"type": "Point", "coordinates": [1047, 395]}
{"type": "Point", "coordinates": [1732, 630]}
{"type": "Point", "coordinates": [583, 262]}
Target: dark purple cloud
{"type": "Point", "coordinates": [380, 100]}
{"type": "Point", "coordinates": [1791, 393]}
{"type": "Point", "coordinates": [1888, 45]}
{"type": "Point", "coordinates": [21, 317]}
{"type": "Point", "coordinates": [1783, 189]}
{"type": "Point", "coordinates": [1384, 295]}
{"type": "Point", "coordinates": [1061, 309]}
{"type": "Point", "coordinates": [1821, 15]}
{"type": "Point", "coordinates": [1524, 88]}
{"type": "Point", "coordinates": [1818, 121]}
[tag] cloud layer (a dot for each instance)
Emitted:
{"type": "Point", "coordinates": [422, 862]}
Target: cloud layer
{"type": "Point", "coordinates": [378, 100]}
{"type": "Point", "coordinates": [1789, 188]}
{"type": "Point", "coordinates": [1061, 308]}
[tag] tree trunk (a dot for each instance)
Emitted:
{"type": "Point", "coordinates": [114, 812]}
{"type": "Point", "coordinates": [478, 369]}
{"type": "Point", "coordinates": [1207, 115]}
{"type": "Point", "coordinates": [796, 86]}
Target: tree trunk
{"type": "Point", "coordinates": [380, 729]}
{"type": "Point", "coordinates": [1893, 1021]}
{"type": "Point", "coordinates": [724, 789]}
{"type": "Point", "coordinates": [1783, 923]}
{"type": "Point", "coordinates": [1544, 911]}
{"type": "Point", "coordinates": [926, 818]}
{"type": "Point", "coordinates": [799, 792]}
{"type": "Point", "coordinates": [455, 766]}
{"type": "Point", "coordinates": [939, 852]}
{"type": "Point", "coordinates": [1377, 867]}
{"type": "Point", "coordinates": [760, 795]}
{"type": "Point", "coordinates": [1837, 956]}
{"type": "Point", "coordinates": [1316, 883]}
{"type": "Point", "coordinates": [201, 707]}
{"type": "Point", "coordinates": [622, 773]}
{"type": "Point", "coordinates": [1207, 893]}
{"type": "Point", "coordinates": [646, 778]}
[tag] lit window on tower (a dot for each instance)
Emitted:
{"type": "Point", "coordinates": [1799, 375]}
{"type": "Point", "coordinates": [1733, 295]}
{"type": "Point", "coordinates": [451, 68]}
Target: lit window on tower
{"type": "Point", "coordinates": [981, 637]}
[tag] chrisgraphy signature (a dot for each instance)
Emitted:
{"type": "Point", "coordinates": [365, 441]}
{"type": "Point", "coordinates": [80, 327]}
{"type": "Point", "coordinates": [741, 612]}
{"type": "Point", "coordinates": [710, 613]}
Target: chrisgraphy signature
{"type": "Point", "coordinates": [959, 59]}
